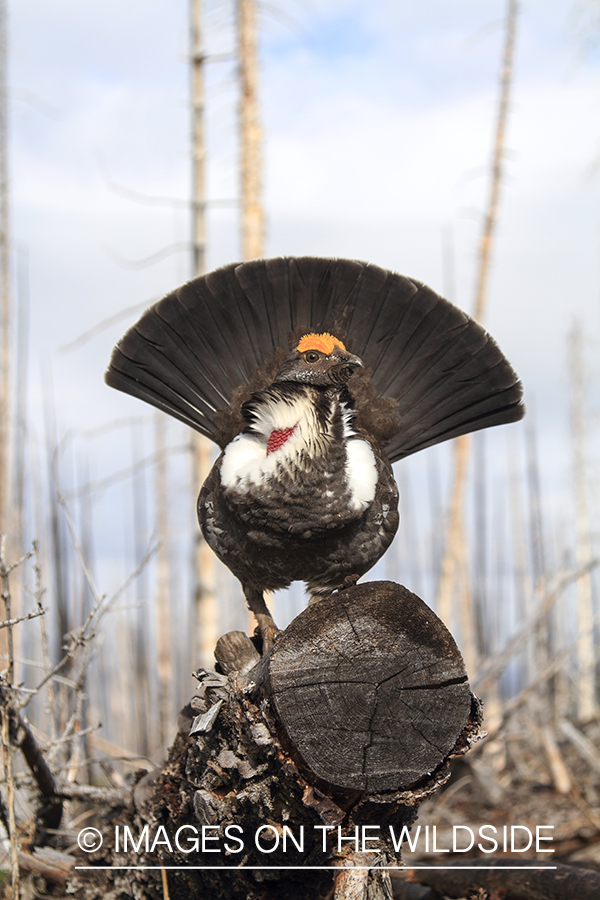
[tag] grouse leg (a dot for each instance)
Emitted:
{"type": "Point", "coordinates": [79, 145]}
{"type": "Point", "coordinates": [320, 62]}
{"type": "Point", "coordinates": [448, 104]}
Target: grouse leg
{"type": "Point", "coordinates": [267, 627]}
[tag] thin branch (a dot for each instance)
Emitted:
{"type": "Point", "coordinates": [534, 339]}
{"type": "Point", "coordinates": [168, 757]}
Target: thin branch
{"type": "Point", "coordinates": [12, 820]}
{"type": "Point", "coordinates": [101, 606]}
{"type": "Point", "coordinates": [516, 702]}
{"type": "Point", "coordinates": [278, 15]}
{"type": "Point", "coordinates": [152, 199]}
{"type": "Point", "coordinates": [19, 562]}
{"type": "Point", "coordinates": [131, 194]}
{"type": "Point", "coordinates": [108, 796]}
{"type": "Point", "coordinates": [35, 101]}
{"type": "Point", "coordinates": [224, 203]}
{"type": "Point", "coordinates": [103, 325]}
{"type": "Point", "coordinates": [22, 736]}
{"type": "Point", "coordinates": [110, 480]}
{"type": "Point", "coordinates": [49, 675]}
{"type": "Point", "coordinates": [220, 57]}
{"type": "Point", "coordinates": [99, 760]}
{"type": "Point", "coordinates": [90, 434]}
{"type": "Point", "coordinates": [7, 623]}
{"type": "Point", "coordinates": [71, 730]}
{"type": "Point", "coordinates": [583, 744]}
{"type": "Point", "coordinates": [54, 868]}
{"type": "Point", "coordinates": [6, 597]}
{"type": "Point", "coordinates": [38, 592]}
{"type": "Point", "coordinates": [146, 199]}
{"type": "Point", "coordinates": [151, 260]}
{"type": "Point", "coordinates": [99, 598]}
{"type": "Point", "coordinates": [495, 665]}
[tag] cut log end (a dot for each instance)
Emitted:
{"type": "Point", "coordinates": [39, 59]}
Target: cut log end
{"type": "Point", "coordinates": [369, 688]}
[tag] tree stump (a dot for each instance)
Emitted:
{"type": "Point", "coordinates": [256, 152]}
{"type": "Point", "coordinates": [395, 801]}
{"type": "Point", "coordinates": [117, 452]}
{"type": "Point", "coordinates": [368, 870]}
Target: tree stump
{"type": "Point", "coordinates": [370, 688]}
{"type": "Point", "coordinates": [301, 768]}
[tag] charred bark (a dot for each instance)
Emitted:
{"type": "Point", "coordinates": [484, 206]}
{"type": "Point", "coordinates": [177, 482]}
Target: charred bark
{"type": "Point", "coordinates": [519, 882]}
{"type": "Point", "coordinates": [301, 768]}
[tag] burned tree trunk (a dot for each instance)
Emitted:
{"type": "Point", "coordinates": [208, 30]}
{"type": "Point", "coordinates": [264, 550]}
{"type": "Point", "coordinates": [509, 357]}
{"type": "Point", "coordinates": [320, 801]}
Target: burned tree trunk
{"type": "Point", "coordinates": [512, 878]}
{"type": "Point", "coordinates": [300, 769]}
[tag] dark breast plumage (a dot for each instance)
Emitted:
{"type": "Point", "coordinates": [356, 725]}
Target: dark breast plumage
{"type": "Point", "coordinates": [319, 508]}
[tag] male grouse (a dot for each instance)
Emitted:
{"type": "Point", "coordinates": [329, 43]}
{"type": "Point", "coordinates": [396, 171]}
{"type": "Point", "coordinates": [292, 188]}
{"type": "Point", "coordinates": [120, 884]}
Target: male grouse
{"type": "Point", "coordinates": [312, 375]}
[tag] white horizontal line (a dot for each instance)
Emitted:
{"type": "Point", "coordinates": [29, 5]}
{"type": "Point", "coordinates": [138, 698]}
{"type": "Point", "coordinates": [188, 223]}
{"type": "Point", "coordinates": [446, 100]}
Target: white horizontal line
{"type": "Point", "coordinates": [319, 868]}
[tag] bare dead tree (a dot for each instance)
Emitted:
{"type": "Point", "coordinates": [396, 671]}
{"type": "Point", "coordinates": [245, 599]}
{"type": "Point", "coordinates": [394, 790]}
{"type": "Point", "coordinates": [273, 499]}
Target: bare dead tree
{"type": "Point", "coordinates": [19, 430]}
{"type": "Point", "coordinates": [455, 550]}
{"type": "Point", "coordinates": [480, 548]}
{"type": "Point", "coordinates": [50, 766]}
{"type": "Point", "coordinates": [205, 601]}
{"type": "Point", "coordinates": [145, 717]}
{"type": "Point", "coordinates": [162, 595]}
{"type": "Point", "coordinates": [520, 561]}
{"type": "Point", "coordinates": [10, 790]}
{"type": "Point", "coordinates": [537, 540]}
{"type": "Point", "coordinates": [59, 548]}
{"type": "Point", "coordinates": [454, 562]}
{"type": "Point", "coordinates": [544, 634]}
{"type": "Point", "coordinates": [586, 695]}
{"type": "Point", "coordinates": [7, 716]}
{"type": "Point", "coordinates": [250, 133]}
{"type": "Point", "coordinates": [541, 605]}
{"type": "Point", "coordinates": [251, 138]}
{"type": "Point", "coordinates": [5, 291]}
{"type": "Point", "coordinates": [198, 62]}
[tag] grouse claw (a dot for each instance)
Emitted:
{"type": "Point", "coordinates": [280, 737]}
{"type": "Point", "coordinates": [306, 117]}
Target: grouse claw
{"type": "Point", "coordinates": [270, 637]}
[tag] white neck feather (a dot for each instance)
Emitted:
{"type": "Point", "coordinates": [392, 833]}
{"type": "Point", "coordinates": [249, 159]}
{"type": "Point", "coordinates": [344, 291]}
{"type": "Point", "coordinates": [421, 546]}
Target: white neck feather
{"type": "Point", "coordinates": [245, 460]}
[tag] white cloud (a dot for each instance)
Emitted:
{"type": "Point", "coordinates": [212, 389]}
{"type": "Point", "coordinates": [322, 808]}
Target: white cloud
{"type": "Point", "coordinates": [377, 136]}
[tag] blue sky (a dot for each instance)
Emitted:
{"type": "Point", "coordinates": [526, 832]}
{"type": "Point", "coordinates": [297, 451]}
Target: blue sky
{"type": "Point", "coordinates": [378, 123]}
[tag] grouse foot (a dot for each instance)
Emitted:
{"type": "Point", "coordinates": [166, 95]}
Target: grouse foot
{"type": "Point", "coordinates": [266, 625]}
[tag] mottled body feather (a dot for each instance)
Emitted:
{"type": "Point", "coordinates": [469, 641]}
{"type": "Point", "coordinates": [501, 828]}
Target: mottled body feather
{"type": "Point", "coordinates": [299, 518]}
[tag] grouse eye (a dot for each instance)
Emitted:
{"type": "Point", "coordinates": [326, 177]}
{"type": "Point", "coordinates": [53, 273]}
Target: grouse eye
{"type": "Point", "coordinates": [312, 356]}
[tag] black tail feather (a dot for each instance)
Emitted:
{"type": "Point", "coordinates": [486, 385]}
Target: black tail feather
{"type": "Point", "coordinates": [189, 352]}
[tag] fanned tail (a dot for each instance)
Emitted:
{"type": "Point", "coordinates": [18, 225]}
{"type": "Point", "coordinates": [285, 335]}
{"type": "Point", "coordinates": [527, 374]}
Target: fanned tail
{"type": "Point", "coordinates": [190, 351]}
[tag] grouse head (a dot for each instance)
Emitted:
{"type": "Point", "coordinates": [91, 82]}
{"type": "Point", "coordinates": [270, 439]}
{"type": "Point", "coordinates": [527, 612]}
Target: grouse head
{"type": "Point", "coordinates": [320, 360]}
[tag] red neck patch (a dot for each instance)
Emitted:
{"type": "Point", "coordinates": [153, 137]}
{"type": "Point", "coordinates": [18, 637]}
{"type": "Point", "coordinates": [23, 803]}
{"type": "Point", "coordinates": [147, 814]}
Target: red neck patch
{"type": "Point", "coordinates": [278, 438]}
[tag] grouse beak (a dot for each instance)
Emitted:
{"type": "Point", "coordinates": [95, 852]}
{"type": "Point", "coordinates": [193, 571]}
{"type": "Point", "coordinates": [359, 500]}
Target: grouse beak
{"type": "Point", "coordinates": [342, 370]}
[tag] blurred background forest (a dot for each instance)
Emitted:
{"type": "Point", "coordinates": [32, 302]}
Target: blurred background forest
{"type": "Point", "coordinates": [360, 130]}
